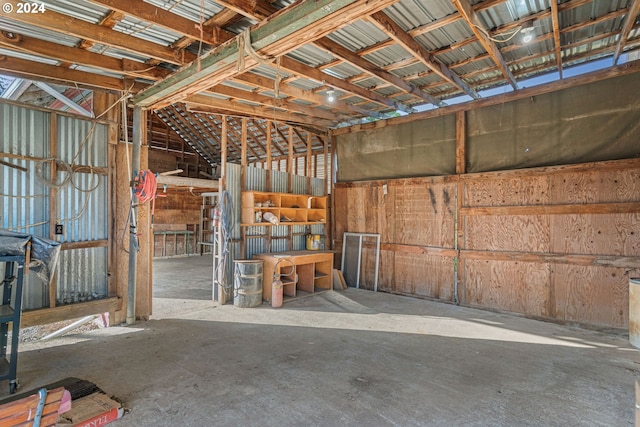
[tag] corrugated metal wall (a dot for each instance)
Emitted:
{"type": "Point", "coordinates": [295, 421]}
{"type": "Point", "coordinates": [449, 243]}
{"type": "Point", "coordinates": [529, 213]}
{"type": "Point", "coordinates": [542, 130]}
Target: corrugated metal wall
{"type": "Point", "coordinates": [82, 273]}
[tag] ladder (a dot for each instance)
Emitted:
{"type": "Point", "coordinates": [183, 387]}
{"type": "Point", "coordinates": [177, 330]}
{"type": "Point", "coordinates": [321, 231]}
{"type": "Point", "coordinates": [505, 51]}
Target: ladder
{"type": "Point", "coordinates": [210, 236]}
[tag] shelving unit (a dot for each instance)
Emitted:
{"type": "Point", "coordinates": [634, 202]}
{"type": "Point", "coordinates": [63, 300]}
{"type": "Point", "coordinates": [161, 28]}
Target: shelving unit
{"type": "Point", "coordinates": [290, 209]}
{"type": "Point", "coordinates": [10, 312]}
{"type": "Point", "coordinates": [312, 272]}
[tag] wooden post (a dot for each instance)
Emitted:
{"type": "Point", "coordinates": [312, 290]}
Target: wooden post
{"type": "Point", "coordinates": [268, 161]}
{"type": "Point", "coordinates": [53, 196]}
{"type": "Point", "coordinates": [222, 294]}
{"type": "Point", "coordinates": [461, 140]}
{"type": "Point", "coordinates": [325, 146]}
{"type": "Point", "coordinates": [308, 171]}
{"type": "Point", "coordinates": [243, 177]}
{"type": "Point", "coordinates": [290, 160]}
{"type": "Point", "coordinates": [334, 143]}
{"type": "Point", "coordinates": [243, 156]}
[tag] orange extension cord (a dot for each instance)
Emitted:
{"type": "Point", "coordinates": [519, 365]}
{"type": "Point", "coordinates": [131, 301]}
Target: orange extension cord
{"type": "Point", "coordinates": [146, 188]}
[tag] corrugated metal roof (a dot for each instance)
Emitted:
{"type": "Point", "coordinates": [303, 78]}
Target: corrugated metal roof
{"type": "Point", "coordinates": [588, 31]}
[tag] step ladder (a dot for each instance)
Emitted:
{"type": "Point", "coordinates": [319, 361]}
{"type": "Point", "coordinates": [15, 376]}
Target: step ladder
{"type": "Point", "coordinates": [210, 236]}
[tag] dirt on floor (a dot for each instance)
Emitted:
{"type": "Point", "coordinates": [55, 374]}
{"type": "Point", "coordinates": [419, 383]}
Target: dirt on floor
{"type": "Point", "coordinates": [38, 332]}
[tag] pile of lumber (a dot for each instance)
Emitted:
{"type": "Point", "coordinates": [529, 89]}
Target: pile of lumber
{"type": "Point", "coordinates": [338, 281]}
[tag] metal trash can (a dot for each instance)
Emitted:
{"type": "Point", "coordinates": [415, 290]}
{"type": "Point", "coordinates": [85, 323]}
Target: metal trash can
{"type": "Point", "coordinates": [247, 283]}
{"type": "Point", "coordinates": [634, 312]}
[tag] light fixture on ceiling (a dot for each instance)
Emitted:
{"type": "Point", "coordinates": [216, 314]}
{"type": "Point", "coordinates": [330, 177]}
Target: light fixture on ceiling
{"type": "Point", "coordinates": [331, 95]}
{"type": "Point", "coordinates": [527, 31]}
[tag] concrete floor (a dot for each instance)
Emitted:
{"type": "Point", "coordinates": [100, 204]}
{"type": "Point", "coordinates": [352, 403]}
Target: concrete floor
{"type": "Point", "coordinates": [342, 358]}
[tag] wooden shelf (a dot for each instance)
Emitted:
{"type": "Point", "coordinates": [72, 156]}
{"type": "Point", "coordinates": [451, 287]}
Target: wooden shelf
{"type": "Point", "coordinates": [312, 270]}
{"type": "Point", "coordinates": [290, 209]}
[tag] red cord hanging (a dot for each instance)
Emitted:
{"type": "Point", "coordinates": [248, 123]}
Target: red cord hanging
{"type": "Point", "coordinates": [146, 186]}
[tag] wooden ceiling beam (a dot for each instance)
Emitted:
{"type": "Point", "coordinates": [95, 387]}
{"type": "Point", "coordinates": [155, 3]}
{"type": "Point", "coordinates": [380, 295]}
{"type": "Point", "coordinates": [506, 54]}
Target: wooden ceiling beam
{"type": "Point", "coordinates": [182, 117]}
{"type": "Point", "coordinates": [264, 134]}
{"type": "Point", "coordinates": [163, 18]}
{"type": "Point", "coordinates": [247, 8]}
{"type": "Point", "coordinates": [281, 105]}
{"type": "Point", "coordinates": [197, 101]}
{"type": "Point", "coordinates": [629, 22]}
{"type": "Point", "coordinates": [555, 20]}
{"type": "Point", "coordinates": [472, 19]}
{"type": "Point", "coordinates": [393, 30]}
{"type": "Point", "coordinates": [274, 37]}
{"type": "Point", "coordinates": [65, 24]}
{"type": "Point", "coordinates": [306, 95]}
{"type": "Point", "coordinates": [345, 54]}
{"type": "Point", "coordinates": [189, 137]}
{"type": "Point", "coordinates": [232, 145]}
{"type": "Point", "coordinates": [234, 124]}
{"type": "Point", "coordinates": [74, 55]}
{"type": "Point", "coordinates": [23, 68]}
{"type": "Point", "coordinates": [311, 73]}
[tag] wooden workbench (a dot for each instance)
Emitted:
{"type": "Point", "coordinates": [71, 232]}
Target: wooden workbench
{"type": "Point", "coordinates": [312, 268]}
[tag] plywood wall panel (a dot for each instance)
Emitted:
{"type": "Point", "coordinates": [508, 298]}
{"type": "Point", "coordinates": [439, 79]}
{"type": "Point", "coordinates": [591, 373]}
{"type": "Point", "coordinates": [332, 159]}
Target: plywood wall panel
{"type": "Point", "coordinates": [424, 214]}
{"type": "Point", "coordinates": [602, 234]}
{"type": "Point", "coordinates": [608, 186]}
{"type": "Point", "coordinates": [357, 205]}
{"type": "Point", "coordinates": [513, 261]}
{"type": "Point", "coordinates": [592, 295]}
{"type": "Point", "coordinates": [506, 191]}
{"type": "Point", "coordinates": [341, 195]}
{"type": "Point", "coordinates": [424, 275]}
{"type": "Point", "coordinates": [519, 287]}
{"type": "Point", "coordinates": [528, 233]}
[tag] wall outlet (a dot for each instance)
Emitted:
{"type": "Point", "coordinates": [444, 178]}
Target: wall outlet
{"type": "Point", "coordinates": [59, 229]}
{"type": "Point", "coordinates": [384, 189]}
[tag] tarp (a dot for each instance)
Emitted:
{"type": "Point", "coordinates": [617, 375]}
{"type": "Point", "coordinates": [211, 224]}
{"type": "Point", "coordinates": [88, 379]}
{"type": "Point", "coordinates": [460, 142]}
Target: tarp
{"type": "Point", "coordinates": [593, 122]}
{"type": "Point", "coordinates": [44, 252]}
{"type": "Point", "coordinates": [419, 148]}
{"type": "Point", "coordinates": [589, 123]}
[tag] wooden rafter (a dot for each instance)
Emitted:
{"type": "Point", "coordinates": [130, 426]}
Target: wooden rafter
{"type": "Point", "coordinates": [629, 22]}
{"type": "Point", "coordinates": [99, 34]}
{"type": "Point", "coordinates": [352, 58]}
{"type": "Point", "coordinates": [74, 55]}
{"type": "Point", "coordinates": [555, 19]}
{"type": "Point", "coordinates": [184, 132]}
{"type": "Point", "coordinates": [23, 68]}
{"type": "Point", "coordinates": [161, 17]}
{"type": "Point", "coordinates": [394, 31]}
{"type": "Point", "coordinates": [196, 102]}
{"type": "Point", "coordinates": [273, 37]}
{"type": "Point", "coordinates": [241, 134]}
{"type": "Point", "coordinates": [224, 134]}
{"type": "Point", "coordinates": [187, 121]}
{"type": "Point", "coordinates": [295, 92]}
{"type": "Point", "coordinates": [306, 71]}
{"type": "Point", "coordinates": [277, 104]}
{"type": "Point", "coordinates": [472, 19]}
{"type": "Point", "coordinates": [265, 135]}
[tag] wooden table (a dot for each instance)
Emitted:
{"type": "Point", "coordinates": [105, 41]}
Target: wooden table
{"type": "Point", "coordinates": [313, 270]}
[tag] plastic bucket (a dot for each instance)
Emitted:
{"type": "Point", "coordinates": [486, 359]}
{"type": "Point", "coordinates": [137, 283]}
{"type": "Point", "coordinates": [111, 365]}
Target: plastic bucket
{"type": "Point", "coordinates": [634, 312]}
{"type": "Point", "coordinates": [247, 283]}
